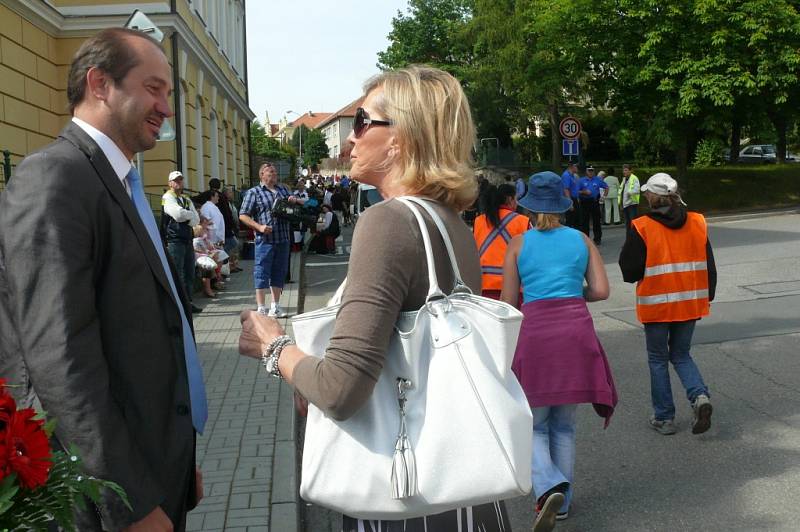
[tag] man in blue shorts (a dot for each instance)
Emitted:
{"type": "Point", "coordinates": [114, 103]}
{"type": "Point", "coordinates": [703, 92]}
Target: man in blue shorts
{"type": "Point", "coordinates": [272, 238]}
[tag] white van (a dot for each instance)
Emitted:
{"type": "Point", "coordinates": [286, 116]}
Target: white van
{"type": "Point", "coordinates": [367, 195]}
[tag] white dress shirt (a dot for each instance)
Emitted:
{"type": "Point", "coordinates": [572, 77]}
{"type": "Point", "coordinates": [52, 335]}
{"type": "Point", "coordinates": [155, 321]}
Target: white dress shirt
{"type": "Point", "coordinates": [216, 231]}
{"type": "Point", "coordinates": [173, 208]}
{"type": "Point", "coordinates": [119, 163]}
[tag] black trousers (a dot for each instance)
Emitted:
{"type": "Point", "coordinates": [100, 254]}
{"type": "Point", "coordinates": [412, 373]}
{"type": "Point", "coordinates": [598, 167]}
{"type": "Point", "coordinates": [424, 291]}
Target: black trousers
{"type": "Point", "coordinates": [573, 217]}
{"type": "Point", "coordinates": [590, 212]}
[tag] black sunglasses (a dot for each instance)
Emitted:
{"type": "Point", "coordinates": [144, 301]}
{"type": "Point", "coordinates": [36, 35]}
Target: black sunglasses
{"type": "Point", "coordinates": [362, 122]}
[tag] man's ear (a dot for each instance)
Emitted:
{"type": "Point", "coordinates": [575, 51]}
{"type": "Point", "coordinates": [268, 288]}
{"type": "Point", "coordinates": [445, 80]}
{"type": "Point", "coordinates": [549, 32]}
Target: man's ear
{"type": "Point", "coordinates": [97, 83]}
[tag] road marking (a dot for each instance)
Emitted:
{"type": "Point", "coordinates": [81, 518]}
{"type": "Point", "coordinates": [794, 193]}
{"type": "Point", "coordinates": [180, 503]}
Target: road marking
{"type": "Point", "coordinates": [320, 283]}
{"type": "Point", "coordinates": [313, 264]}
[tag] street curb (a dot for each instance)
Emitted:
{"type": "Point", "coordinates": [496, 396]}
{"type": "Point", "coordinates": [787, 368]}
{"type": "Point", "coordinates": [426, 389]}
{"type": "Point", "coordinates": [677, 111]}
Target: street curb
{"type": "Point", "coordinates": [729, 217]}
{"type": "Point", "coordinates": [284, 499]}
{"type": "Point", "coordinates": [732, 217]}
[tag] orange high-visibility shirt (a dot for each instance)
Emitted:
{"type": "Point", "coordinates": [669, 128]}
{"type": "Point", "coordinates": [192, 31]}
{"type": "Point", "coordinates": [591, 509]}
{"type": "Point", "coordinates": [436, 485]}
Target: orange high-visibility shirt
{"type": "Point", "coordinates": [675, 282]}
{"type": "Point", "coordinates": [492, 243]}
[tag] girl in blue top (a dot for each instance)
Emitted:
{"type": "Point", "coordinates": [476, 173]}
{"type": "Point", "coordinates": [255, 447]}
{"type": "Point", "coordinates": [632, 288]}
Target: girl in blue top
{"type": "Point", "coordinates": [559, 360]}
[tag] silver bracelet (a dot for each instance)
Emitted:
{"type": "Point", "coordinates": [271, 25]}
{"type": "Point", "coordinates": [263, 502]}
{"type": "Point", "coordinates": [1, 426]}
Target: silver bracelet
{"type": "Point", "coordinates": [271, 355]}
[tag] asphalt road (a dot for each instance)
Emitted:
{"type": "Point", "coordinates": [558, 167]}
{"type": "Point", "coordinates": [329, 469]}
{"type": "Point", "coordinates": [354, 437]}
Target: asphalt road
{"type": "Point", "coordinates": [744, 473]}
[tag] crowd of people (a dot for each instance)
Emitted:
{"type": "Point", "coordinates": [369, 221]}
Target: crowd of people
{"type": "Point", "coordinates": [201, 235]}
{"type": "Point", "coordinates": [113, 358]}
{"type": "Point", "coordinates": [531, 248]}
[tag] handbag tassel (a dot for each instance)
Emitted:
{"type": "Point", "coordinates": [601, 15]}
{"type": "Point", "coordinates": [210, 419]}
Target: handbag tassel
{"type": "Point", "coordinates": [404, 464]}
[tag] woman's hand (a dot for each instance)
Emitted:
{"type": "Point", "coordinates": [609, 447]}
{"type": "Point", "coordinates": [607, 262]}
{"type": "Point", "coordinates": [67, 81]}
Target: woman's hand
{"type": "Point", "coordinates": [257, 332]}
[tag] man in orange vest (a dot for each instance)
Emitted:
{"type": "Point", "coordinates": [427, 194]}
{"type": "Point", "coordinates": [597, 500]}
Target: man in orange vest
{"type": "Point", "coordinates": [668, 255]}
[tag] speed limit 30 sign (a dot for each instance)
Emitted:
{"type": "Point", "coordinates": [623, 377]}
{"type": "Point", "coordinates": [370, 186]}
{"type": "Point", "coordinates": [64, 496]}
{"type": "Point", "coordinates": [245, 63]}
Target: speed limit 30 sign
{"type": "Point", "coordinates": [570, 128]}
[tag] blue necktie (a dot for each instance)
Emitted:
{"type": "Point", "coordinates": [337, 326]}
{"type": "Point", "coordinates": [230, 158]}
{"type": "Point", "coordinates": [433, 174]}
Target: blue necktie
{"type": "Point", "coordinates": [197, 390]}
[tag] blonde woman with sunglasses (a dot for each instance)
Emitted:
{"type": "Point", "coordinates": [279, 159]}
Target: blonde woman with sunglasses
{"type": "Point", "coordinates": [413, 135]}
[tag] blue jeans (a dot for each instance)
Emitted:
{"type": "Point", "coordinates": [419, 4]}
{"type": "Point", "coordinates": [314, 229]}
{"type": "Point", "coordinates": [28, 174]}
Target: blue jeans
{"type": "Point", "coordinates": [553, 449]}
{"type": "Point", "coordinates": [182, 255]}
{"type": "Point", "coordinates": [271, 264]}
{"type": "Point", "coordinates": [231, 245]}
{"type": "Point", "coordinates": [670, 342]}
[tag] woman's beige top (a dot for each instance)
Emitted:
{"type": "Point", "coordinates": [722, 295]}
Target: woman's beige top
{"type": "Point", "coordinates": [387, 274]}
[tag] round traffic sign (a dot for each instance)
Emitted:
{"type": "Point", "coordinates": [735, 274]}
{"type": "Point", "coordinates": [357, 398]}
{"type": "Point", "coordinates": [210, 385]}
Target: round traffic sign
{"type": "Point", "coordinates": [570, 128]}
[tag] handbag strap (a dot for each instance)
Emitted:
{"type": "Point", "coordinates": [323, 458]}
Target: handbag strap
{"type": "Point", "coordinates": [434, 291]}
{"type": "Point", "coordinates": [459, 285]}
{"type": "Point", "coordinates": [433, 283]}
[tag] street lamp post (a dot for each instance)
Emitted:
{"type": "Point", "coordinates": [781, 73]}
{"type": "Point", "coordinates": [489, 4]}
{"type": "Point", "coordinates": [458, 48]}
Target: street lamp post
{"type": "Point", "coordinates": [301, 131]}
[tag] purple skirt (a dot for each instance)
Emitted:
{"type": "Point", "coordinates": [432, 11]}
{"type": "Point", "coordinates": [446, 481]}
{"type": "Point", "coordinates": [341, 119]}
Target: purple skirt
{"type": "Point", "coordinates": [559, 359]}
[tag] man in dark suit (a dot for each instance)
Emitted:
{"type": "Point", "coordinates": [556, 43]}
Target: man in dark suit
{"type": "Point", "coordinates": [93, 322]}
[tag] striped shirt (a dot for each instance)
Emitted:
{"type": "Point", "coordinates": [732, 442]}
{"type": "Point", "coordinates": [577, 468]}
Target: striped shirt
{"type": "Point", "coordinates": [258, 203]}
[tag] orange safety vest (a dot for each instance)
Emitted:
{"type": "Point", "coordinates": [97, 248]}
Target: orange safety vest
{"type": "Point", "coordinates": [492, 244]}
{"type": "Point", "coordinates": [675, 282]}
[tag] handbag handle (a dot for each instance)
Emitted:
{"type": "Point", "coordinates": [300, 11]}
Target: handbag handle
{"type": "Point", "coordinates": [459, 285]}
{"type": "Point", "coordinates": [434, 292]}
{"type": "Point", "coordinates": [433, 284]}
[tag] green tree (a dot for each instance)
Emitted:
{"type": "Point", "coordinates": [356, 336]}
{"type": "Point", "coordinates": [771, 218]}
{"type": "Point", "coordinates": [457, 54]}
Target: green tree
{"type": "Point", "coordinates": [266, 146]}
{"type": "Point", "coordinates": [674, 70]}
{"type": "Point", "coordinates": [540, 49]}
{"type": "Point", "coordinates": [314, 146]}
{"type": "Point", "coordinates": [439, 33]}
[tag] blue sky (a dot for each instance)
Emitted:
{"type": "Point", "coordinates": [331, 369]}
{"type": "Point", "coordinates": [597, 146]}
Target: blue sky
{"type": "Point", "coordinates": [313, 54]}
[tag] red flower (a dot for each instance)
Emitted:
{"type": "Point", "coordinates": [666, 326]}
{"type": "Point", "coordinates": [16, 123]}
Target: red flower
{"type": "Point", "coordinates": [26, 449]}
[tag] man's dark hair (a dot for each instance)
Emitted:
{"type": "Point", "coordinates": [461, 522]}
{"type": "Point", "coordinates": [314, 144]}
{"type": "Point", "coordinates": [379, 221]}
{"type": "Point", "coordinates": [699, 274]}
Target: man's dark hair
{"type": "Point", "coordinates": [110, 51]}
{"type": "Point", "coordinates": [627, 167]}
{"type": "Point", "coordinates": [214, 184]}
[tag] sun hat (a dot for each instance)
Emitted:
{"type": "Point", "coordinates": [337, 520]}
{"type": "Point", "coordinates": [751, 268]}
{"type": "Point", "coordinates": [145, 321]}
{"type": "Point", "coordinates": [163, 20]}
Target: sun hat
{"type": "Point", "coordinates": [661, 184]}
{"type": "Point", "coordinates": [545, 194]}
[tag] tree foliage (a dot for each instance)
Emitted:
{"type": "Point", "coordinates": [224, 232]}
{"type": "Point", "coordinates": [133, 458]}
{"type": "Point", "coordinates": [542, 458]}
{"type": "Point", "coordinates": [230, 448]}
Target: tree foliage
{"type": "Point", "coordinates": [266, 146]}
{"type": "Point", "coordinates": [314, 146]}
{"type": "Point", "coordinates": [671, 73]}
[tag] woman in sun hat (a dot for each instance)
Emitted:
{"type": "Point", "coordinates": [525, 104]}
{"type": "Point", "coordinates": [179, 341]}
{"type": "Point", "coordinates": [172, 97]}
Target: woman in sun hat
{"type": "Point", "coordinates": [559, 360]}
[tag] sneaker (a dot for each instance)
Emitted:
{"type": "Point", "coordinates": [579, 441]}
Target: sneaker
{"type": "Point", "coordinates": [663, 426]}
{"type": "Point", "coordinates": [562, 516]}
{"type": "Point", "coordinates": [196, 310]}
{"type": "Point", "coordinates": [702, 414]}
{"type": "Point", "coordinates": [276, 311]}
{"type": "Point", "coordinates": [547, 511]}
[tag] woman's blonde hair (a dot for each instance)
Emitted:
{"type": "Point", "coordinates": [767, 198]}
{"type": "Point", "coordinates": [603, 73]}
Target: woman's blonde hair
{"type": "Point", "coordinates": [434, 128]}
{"type": "Point", "coordinates": [198, 231]}
{"type": "Point", "coordinates": [547, 221]}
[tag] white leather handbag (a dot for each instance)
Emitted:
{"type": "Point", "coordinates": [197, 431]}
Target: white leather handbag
{"type": "Point", "coordinates": [447, 424]}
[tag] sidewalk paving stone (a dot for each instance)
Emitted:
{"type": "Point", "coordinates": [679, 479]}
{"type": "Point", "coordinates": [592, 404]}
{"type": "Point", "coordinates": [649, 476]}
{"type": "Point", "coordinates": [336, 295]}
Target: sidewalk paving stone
{"type": "Point", "coordinates": [247, 454]}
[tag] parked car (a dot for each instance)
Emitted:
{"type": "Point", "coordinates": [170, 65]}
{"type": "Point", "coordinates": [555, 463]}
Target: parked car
{"type": "Point", "coordinates": [758, 153]}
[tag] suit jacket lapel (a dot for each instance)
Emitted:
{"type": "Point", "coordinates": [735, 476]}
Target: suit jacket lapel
{"type": "Point", "coordinates": [84, 142]}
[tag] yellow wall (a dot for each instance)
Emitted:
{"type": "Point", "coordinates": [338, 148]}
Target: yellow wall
{"type": "Point", "coordinates": [32, 86]}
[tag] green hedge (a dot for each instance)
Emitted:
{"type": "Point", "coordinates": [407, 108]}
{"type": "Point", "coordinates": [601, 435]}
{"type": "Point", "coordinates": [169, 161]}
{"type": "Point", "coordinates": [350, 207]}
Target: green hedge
{"type": "Point", "coordinates": [736, 188]}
